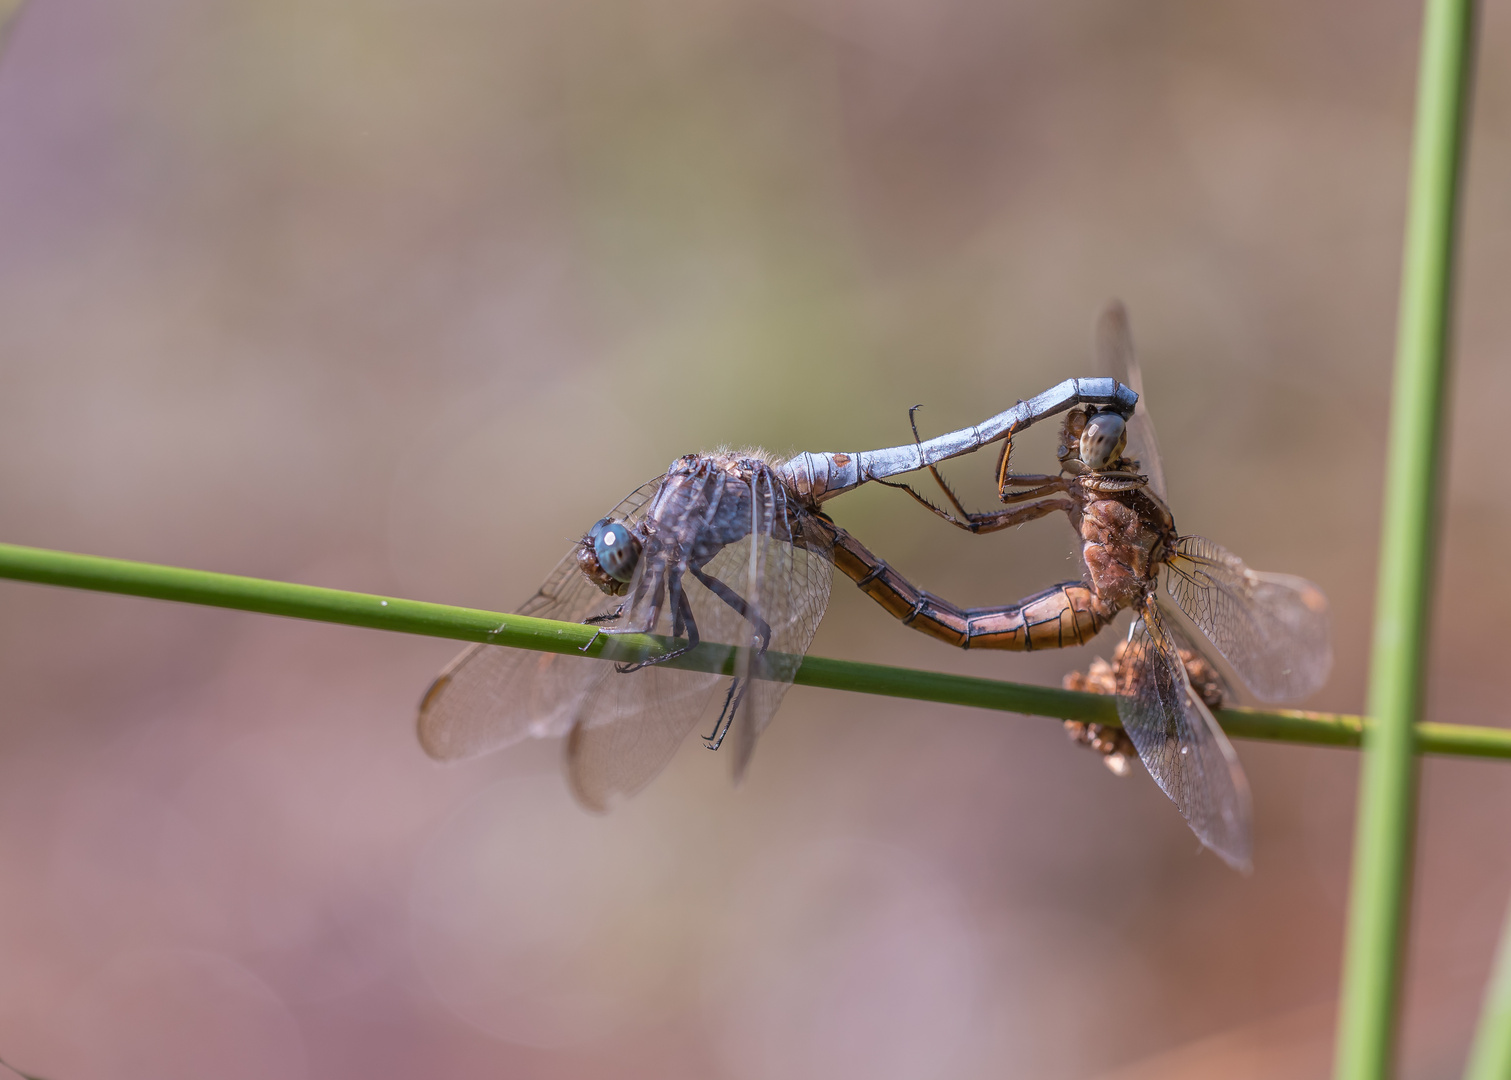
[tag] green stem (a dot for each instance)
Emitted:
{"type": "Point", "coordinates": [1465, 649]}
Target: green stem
{"type": "Point", "coordinates": [62, 568]}
{"type": "Point", "coordinates": [1490, 1057]}
{"type": "Point", "coordinates": [1387, 791]}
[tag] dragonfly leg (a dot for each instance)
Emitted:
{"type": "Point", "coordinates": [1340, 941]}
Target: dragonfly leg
{"type": "Point", "coordinates": [1010, 497]}
{"type": "Point", "coordinates": [1042, 485]}
{"type": "Point", "coordinates": [1037, 485]}
{"type": "Point", "coordinates": [997, 519]}
{"type": "Point", "coordinates": [679, 616]}
{"type": "Point", "coordinates": [684, 617]}
{"type": "Point", "coordinates": [596, 621]}
{"type": "Point", "coordinates": [738, 602]}
{"type": "Point", "coordinates": [732, 701]}
{"type": "Point", "coordinates": [1059, 617]}
{"type": "Point", "coordinates": [737, 688]}
{"type": "Point", "coordinates": [949, 492]}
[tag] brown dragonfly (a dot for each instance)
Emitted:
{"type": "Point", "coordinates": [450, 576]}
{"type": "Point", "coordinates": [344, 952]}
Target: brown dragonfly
{"type": "Point", "coordinates": [1270, 629]}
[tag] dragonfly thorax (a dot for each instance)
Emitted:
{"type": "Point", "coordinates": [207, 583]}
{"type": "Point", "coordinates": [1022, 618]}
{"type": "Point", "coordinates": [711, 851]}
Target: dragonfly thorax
{"type": "Point", "coordinates": [1125, 536]}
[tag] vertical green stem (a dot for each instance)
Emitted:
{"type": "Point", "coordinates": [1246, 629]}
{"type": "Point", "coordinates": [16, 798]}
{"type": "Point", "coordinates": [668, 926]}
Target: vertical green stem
{"type": "Point", "coordinates": [1387, 809]}
{"type": "Point", "coordinates": [1490, 1058]}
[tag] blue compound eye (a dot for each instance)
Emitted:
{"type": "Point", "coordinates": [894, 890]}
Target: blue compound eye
{"type": "Point", "coordinates": [616, 549]}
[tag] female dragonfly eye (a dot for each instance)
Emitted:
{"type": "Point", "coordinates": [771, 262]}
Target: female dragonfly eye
{"type": "Point", "coordinates": [616, 549]}
{"type": "Point", "coordinates": [1103, 440]}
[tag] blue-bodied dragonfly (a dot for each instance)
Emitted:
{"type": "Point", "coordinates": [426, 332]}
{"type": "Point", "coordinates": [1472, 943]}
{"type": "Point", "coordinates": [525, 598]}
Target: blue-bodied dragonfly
{"type": "Point", "coordinates": [726, 549]}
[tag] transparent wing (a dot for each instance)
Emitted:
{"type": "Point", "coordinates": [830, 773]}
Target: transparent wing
{"type": "Point", "coordinates": [1115, 357]}
{"type": "Point", "coordinates": [790, 572]}
{"type": "Point", "coordinates": [1208, 676]}
{"type": "Point", "coordinates": [1180, 743]}
{"type": "Point", "coordinates": [490, 696]}
{"type": "Point", "coordinates": [1273, 628]}
{"type": "Point", "coordinates": [630, 728]}
{"type": "Point", "coordinates": [620, 746]}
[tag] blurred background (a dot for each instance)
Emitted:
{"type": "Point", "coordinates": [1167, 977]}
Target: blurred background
{"type": "Point", "coordinates": [402, 296]}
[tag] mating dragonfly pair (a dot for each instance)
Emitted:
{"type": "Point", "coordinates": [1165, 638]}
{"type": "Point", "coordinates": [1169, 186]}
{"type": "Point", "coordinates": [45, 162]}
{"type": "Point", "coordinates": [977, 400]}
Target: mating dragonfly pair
{"type": "Point", "coordinates": [731, 553]}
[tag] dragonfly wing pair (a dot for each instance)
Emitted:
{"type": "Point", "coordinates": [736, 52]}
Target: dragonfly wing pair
{"type": "Point", "coordinates": [1273, 631]}
{"type": "Point", "coordinates": [759, 596]}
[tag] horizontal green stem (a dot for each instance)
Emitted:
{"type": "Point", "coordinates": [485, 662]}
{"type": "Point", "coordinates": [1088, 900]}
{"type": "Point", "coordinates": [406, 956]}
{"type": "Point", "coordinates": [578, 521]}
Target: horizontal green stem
{"type": "Point", "coordinates": [46, 567]}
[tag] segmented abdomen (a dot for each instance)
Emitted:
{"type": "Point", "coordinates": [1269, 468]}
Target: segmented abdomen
{"type": "Point", "coordinates": [1057, 618]}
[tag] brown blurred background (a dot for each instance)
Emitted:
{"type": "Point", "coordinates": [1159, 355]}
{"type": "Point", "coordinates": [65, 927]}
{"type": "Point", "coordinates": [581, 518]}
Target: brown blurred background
{"type": "Point", "coordinates": [401, 296]}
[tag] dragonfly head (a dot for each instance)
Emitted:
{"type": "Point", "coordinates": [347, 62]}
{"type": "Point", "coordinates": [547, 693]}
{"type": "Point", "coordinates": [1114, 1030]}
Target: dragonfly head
{"type": "Point", "coordinates": [1093, 440]}
{"type": "Point", "coordinates": [608, 555]}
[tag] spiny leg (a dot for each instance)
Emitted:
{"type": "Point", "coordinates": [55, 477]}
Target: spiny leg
{"type": "Point", "coordinates": [978, 522]}
{"type": "Point", "coordinates": [1040, 483]}
{"type": "Point", "coordinates": [949, 492]}
{"type": "Point", "coordinates": [1034, 487]}
{"type": "Point", "coordinates": [974, 522]}
{"type": "Point", "coordinates": [997, 520]}
{"type": "Point", "coordinates": [1043, 484]}
{"type": "Point", "coordinates": [988, 523]}
{"type": "Point", "coordinates": [927, 505]}
{"type": "Point", "coordinates": [597, 621]}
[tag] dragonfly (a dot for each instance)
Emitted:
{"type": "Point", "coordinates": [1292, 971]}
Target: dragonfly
{"type": "Point", "coordinates": [726, 550]}
{"type": "Point", "coordinates": [1271, 630]}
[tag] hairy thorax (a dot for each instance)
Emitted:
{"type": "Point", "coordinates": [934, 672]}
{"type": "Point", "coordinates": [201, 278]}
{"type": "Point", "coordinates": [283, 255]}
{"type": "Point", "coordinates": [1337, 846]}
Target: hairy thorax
{"type": "Point", "coordinates": [1125, 535]}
